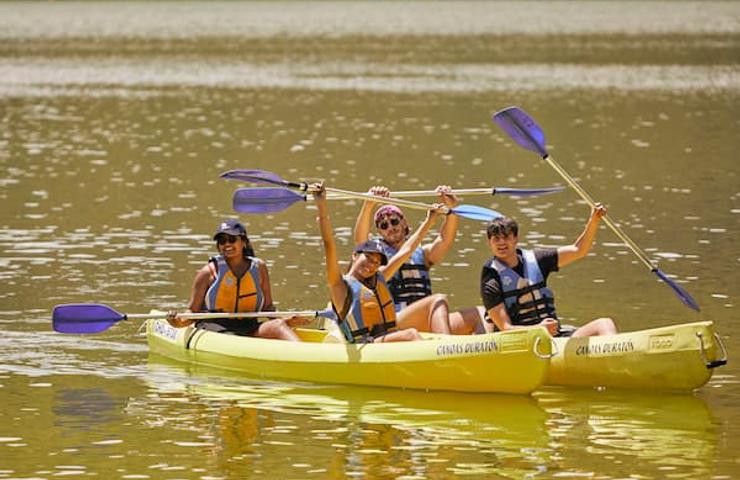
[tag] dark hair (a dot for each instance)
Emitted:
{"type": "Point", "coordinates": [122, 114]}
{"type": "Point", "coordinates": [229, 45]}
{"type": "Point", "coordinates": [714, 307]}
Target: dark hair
{"type": "Point", "coordinates": [502, 226]}
{"type": "Point", "coordinates": [247, 251]}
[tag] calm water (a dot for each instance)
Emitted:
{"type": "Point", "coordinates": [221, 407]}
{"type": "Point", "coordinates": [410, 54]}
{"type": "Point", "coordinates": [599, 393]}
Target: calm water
{"type": "Point", "coordinates": [118, 117]}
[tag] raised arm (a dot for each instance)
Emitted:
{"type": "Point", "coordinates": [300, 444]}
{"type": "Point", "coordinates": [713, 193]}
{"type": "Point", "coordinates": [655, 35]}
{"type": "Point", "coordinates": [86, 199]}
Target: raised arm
{"type": "Point", "coordinates": [435, 251]}
{"type": "Point", "coordinates": [585, 240]}
{"type": "Point", "coordinates": [408, 247]}
{"type": "Point", "coordinates": [337, 286]}
{"type": "Point", "coordinates": [364, 221]}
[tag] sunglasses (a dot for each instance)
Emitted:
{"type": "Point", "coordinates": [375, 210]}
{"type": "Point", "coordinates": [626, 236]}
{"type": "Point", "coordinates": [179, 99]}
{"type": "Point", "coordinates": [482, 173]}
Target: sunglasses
{"type": "Point", "coordinates": [384, 224]}
{"type": "Point", "coordinates": [224, 239]}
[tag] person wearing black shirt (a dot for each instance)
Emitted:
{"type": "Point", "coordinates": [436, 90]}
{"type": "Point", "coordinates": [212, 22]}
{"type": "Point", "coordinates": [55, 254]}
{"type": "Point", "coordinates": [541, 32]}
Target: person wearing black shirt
{"type": "Point", "coordinates": [514, 281]}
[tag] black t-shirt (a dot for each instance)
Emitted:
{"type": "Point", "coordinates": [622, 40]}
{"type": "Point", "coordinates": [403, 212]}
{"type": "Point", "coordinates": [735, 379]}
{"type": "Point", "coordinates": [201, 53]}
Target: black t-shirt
{"type": "Point", "coordinates": [490, 282]}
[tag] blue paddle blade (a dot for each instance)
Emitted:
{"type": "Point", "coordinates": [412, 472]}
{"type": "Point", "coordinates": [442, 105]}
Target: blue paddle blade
{"type": "Point", "coordinates": [254, 176]}
{"type": "Point", "coordinates": [526, 192]}
{"type": "Point", "coordinates": [474, 212]}
{"type": "Point", "coordinates": [522, 129]}
{"type": "Point", "coordinates": [682, 294]}
{"type": "Point", "coordinates": [84, 318]}
{"type": "Point", "coordinates": [264, 200]}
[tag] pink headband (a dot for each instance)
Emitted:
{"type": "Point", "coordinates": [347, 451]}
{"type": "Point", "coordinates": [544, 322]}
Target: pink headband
{"type": "Point", "coordinates": [387, 210]}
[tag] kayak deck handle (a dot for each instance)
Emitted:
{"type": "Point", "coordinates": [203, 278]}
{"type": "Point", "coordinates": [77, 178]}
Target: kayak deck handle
{"type": "Point", "coordinates": [544, 356]}
{"type": "Point", "coordinates": [702, 349]}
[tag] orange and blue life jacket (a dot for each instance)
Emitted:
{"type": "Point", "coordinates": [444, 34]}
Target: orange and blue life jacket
{"type": "Point", "coordinates": [367, 312]}
{"type": "Point", "coordinates": [228, 293]}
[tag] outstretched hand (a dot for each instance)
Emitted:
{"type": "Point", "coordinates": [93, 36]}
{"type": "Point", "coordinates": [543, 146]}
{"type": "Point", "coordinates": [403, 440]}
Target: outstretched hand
{"type": "Point", "coordinates": [447, 196]}
{"type": "Point", "coordinates": [318, 190]}
{"type": "Point", "coordinates": [598, 211]}
{"type": "Point", "coordinates": [435, 212]}
{"type": "Point", "coordinates": [379, 191]}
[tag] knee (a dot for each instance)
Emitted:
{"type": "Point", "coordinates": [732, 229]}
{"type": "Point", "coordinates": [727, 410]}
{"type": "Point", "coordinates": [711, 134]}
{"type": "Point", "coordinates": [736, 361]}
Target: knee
{"type": "Point", "coordinates": [412, 334]}
{"type": "Point", "coordinates": [438, 299]}
{"type": "Point", "coordinates": [606, 326]}
{"type": "Point", "coordinates": [278, 323]}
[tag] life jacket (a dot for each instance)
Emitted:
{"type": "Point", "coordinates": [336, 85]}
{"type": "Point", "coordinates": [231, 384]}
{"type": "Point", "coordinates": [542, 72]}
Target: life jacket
{"type": "Point", "coordinates": [412, 281]}
{"type": "Point", "coordinates": [367, 312]}
{"type": "Point", "coordinates": [228, 293]}
{"type": "Point", "coordinates": [527, 299]}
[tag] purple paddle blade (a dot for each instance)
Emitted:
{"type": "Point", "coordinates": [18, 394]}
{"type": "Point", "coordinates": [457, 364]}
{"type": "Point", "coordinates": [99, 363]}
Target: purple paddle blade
{"type": "Point", "coordinates": [682, 294]}
{"type": "Point", "coordinates": [254, 176]}
{"type": "Point", "coordinates": [84, 318]}
{"type": "Point", "coordinates": [522, 129]}
{"type": "Point", "coordinates": [474, 212]}
{"type": "Point", "coordinates": [264, 200]}
{"type": "Point", "coordinates": [526, 192]}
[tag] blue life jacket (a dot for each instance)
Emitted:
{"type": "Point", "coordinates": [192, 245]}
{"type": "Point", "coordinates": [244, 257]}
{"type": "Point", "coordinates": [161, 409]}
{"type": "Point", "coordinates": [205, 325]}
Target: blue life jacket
{"type": "Point", "coordinates": [527, 299]}
{"type": "Point", "coordinates": [412, 281]}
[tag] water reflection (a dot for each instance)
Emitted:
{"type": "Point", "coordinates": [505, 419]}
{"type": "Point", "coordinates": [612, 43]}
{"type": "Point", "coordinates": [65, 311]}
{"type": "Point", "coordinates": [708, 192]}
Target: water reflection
{"type": "Point", "coordinates": [377, 432]}
{"type": "Point", "coordinates": [637, 434]}
{"type": "Point", "coordinates": [365, 431]}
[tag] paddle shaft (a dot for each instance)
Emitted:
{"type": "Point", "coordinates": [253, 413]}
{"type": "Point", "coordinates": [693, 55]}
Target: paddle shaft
{"type": "Point", "coordinates": [427, 193]}
{"type": "Point", "coordinates": [385, 200]}
{"type": "Point", "coordinates": [587, 198]}
{"type": "Point", "coordinates": [213, 315]}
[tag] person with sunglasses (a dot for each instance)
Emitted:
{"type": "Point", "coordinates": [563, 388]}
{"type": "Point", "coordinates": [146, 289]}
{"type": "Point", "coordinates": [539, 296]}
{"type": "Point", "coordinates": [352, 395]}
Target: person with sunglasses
{"type": "Point", "coordinates": [236, 281]}
{"type": "Point", "coordinates": [361, 298]}
{"type": "Point", "coordinates": [411, 286]}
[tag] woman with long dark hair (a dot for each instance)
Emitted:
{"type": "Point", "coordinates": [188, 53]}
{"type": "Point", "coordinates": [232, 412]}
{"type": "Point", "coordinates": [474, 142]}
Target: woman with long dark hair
{"type": "Point", "coordinates": [236, 280]}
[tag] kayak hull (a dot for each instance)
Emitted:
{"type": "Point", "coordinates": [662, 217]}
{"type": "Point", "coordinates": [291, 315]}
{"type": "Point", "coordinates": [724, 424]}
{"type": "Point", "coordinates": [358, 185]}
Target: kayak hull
{"type": "Point", "coordinates": [507, 362]}
{"type": "Point", "coordinates": [678, 357]}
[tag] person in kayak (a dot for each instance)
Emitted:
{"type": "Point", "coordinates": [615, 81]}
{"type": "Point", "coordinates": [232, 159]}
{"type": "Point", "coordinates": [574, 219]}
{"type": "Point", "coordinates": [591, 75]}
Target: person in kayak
{"type": "Point", "coordinates": [514, 282]}
{"type": "Point", "coordinates": [412, 282]}
{"type": "Point", "coordinates": [236, 281]}
{"type": "Point", "coordinates": [361, 298]}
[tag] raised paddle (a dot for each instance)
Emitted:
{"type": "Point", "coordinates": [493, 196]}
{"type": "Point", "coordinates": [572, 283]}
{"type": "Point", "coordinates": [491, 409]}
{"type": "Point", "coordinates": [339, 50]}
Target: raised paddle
{"type": "Point", "coordinates": [275, 199]}
{"type": "Point", "coordinates": [97, 317]}
{"type": "Point", "coordinates": [472, 212]}
{"type": "Point", "coordinates": [525, 132]}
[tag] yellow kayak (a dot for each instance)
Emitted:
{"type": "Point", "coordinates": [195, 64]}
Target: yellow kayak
{"type": "Point", "coordinates": [678, 357]}
{"type": "Point", "coordinates": [506, 362]}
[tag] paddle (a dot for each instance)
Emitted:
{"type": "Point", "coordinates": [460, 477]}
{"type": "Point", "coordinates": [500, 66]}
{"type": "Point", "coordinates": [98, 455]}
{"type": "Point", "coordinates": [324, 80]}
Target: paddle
{"type": "Point", "coordinates": [273, 199]}
{"type": "Point", "coordinates": [472, 212]}
{"type": "Point", "coordinates": [97, 317]}
{"type": "Point", "coordinates": [525, 132]}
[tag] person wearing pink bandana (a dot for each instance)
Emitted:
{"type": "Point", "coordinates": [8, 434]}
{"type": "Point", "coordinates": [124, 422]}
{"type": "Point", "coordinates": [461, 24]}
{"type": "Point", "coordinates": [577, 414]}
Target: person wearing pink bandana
{"type": "Point", "coordinates": [411, 286]}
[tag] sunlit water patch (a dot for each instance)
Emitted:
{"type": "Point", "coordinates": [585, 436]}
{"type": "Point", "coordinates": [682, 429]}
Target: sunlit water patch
{"type": "Point", "coordinates": [32, 76]}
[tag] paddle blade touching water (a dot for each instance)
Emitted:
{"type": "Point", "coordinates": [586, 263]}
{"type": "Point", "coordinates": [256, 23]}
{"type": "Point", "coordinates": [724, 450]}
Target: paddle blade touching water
{"type": "Point", "coordinates": [680, 292]}
{"type": "Point", "coordinates": [526, 133]}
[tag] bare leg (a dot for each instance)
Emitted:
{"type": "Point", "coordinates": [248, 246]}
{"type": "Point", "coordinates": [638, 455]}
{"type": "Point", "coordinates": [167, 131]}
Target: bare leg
{"type": "Point", "coordinates": [430, 314]}
{"type": "Point", "coordinates": [600, 326]}
{"type": "Point", "coordinates": [467, 321]}
{"type": "Point", "coordinates": [406, 335]}
{"type": "Point", "coordinates": [277, 329]}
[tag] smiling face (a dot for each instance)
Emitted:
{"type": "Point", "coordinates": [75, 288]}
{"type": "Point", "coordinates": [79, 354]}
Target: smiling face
{"type": "Point", "coordinates": [365, 264]}
{"type": "Point", "coordinates": [230, 246]}
{"type": "Point", "coordinates": [504, 247]}
{"type": "Point", "coordinates": [393, 228]}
